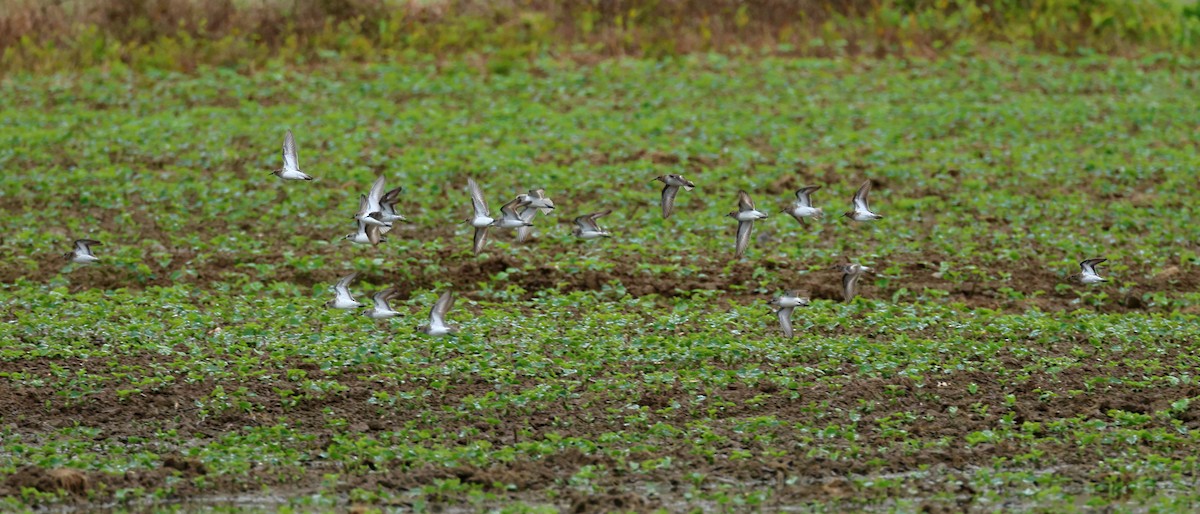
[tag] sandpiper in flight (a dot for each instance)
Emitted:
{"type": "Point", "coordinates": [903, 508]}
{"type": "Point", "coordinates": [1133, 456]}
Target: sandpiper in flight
{"type": "Point", "coordinates": [481, 218]}
{"type": "Point", "coordinates": [381, 309]}
{"type": "Point", "coordinates": [784, 305]}
{"type": "Point", "coordinates": [746, 214]}
{"type": "Point", "coordinates": [586, 227]}
{"type": "Point", "coordinates": [673, 183]}
{"type": "Point", "coordinates": [850, 275]}
{"type": "Point", "coordinates": [371, 213]}
{"type": "Point", "coordinates": [82, 254]}
{"type": "Point", "coordinates": [1087, 273]}
{"type": "Point", "coordinates": [538, 201]}
{"type": "Point", "coordinates": [387, 206]}
{"type": "Point", "coordinates": [342, 298]}
{"type": "Point", "coordinates": [367, 233]}
{"type": "Point", "coordinates": [511, 214]}
{"type": "Point", "coordinates": [290, 169]}
{"type": "Point", "coordinates": [861, 211]}
{"type": "Point", "coordinates": [802, 207]}
{"type": "Point", "coordinates": [437, 317]}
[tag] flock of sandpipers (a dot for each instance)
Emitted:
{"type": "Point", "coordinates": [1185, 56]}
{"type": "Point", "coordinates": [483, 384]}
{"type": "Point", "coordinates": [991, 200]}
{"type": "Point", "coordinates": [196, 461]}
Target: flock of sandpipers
{"type": "Point", "coordinates": [377, 214]}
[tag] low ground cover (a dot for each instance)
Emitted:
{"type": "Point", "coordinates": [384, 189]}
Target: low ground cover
{"type": "Point", "coordinates": [644, 371]}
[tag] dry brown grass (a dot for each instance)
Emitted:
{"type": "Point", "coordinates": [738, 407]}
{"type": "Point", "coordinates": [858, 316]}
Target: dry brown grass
{"type": "Point", "coordinates": [696, 23]}
{"type": "Point", "coordinates": [253, 30]}
{"type": "Point", "coordinates": [146, 20]}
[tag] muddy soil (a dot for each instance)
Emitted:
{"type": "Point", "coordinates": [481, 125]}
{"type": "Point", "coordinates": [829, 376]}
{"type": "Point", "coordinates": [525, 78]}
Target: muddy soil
{"type": "Point", "coordinates": [938, 410]}
{"type": "Point", "coordinates": [535, 268]}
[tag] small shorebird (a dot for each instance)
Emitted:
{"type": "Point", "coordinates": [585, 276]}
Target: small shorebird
{"type": "Point", "coordinates": [342, 298]}
{"type": "Point", "coordinates": [673, 183]}
{"type": "Point", "coordinates": [387, 208]}
{"type": "Point", "coordinates": [511, 217]}
{"type": "Point", "coordinates": [538, 201]}
{"type": "Point", "coordinates": [437, 317]}
{"type": "Point", "coordinates": [367, 233]}
{"type": "Point", "coordinates": [586, 227]}
{"type": "Point", "coordinates": [746, 214]}
{"type": "Point", "coordinates": [850, 275]}
{"type": "Point", "coordinates": [290, 169]}
{"type": "Point", "coordinates": [369, 208]}
{"type": "Point", "coordinates": [1087, 273]}
{"type": "Point", "coordinates": [371, 212]}
{"type": "Point", "coordinates": [381, 309]}
{"type": "Point", "coordinates": [802, 207]}
{"type": "Point", "coordinates": [861, 211]}
{"type": "Point", "coordinates": [82, 254]}
{"type": "Point", "coordinates": [482, 217]}
{"type": "Point", "coordinates": [784, 305]}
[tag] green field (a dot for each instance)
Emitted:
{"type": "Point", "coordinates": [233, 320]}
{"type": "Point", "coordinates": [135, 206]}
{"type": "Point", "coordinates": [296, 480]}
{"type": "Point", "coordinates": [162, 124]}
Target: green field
{"type": "Point", "coordinates": [195, 368]}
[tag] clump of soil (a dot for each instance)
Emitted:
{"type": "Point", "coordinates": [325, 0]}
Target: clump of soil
{"type": "Point", "coordinates": [71, 481]}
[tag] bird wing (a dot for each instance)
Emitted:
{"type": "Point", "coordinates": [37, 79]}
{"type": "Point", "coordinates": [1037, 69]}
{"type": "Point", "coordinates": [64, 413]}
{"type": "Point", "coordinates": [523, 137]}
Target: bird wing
{"type": "Point", "coordinates": [480, 238]}
{"type": "Point", "coordinates": [387, 204]}
{"type": "Point", "coordinates": [342, 289]}
{"type": "Point", "coordinates": [480, 205]}
{"type": "Point", "coordinates": [528, 214]}
{"type": "Point", "coordinates": [743, 236]}
{"type": "Point", "coordinates": [860, 197]}
{"type": "Point", "coordinates": [1089, 266]}
{"type": "Point", "coordinates": [374, 235]}
{"type": "Point", "coordinates": [85, 245]}
{"type": "Point", "coordinates": [849, 285]}
{"type": "Point", "coordinates": [668, 199]}
{"type": "Point", "coordinates": [392, 196]}
{"type": "Point", "coordinates": [509, 210]}
{"type": "Point", "coordinates": [744, 201]}
{"type": "Point", "coordinates": [375, 196]}
{"type": "Point", "coordinates": [545, 204]}
{"type": "Point", "coordinates": [785, 320]}
{"type": "Point", "coordinates": [344, 282]}
{"type": "Point", "coordinates": [437, 315]}
{"type": "Point", "coordinates": [586, 223]}
{"type": "Point", "coordinates": [804, 195]}
{"type": "Point", "coordinates": [290, 162]}
{"type": "Point", "coordinates": [364, 207]}
{"type": "Point", "coordinates": [524, 232]}
{"type": "Point", "coordinates": [381, 299]}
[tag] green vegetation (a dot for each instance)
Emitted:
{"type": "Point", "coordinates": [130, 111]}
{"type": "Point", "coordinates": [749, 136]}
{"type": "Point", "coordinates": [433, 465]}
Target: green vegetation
{"type": "Point", "coordinates": [639, 372]}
